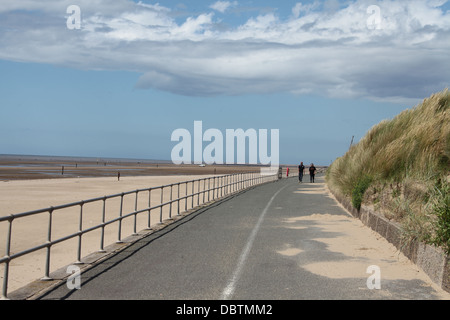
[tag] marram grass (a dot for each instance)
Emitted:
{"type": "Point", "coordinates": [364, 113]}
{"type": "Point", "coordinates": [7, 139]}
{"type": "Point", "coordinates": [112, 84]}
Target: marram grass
{"type": "Point", "coordinates": [396, 167]}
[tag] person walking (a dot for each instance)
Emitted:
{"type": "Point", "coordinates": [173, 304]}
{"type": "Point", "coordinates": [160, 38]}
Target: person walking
{"type": "Point", "coordinates": [301, 171]}
{"type": "Point", "coordinates": [312, 173]}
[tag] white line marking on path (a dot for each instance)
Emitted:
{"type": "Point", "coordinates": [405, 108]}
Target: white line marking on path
{"type": "Point", "coordinates": [229, 290]}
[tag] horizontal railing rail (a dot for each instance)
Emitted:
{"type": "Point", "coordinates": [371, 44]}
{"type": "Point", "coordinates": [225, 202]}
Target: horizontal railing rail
{"type": "Point", "coordinates": [196, 192]}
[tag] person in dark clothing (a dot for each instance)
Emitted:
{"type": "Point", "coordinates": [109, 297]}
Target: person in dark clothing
{"type": "Point", "coordinates": [301, 171]}
{"type": "Point", "coordinates": [312, 173]}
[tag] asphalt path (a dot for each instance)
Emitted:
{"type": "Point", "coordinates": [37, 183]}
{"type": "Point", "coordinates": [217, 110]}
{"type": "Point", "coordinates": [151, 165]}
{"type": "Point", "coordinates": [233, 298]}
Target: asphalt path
{"type": "Point", "coordinates": [246, 247]}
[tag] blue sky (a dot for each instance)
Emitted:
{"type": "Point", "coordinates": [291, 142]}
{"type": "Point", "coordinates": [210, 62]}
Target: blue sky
{"type": "Point", "coordinates": [137, 71]}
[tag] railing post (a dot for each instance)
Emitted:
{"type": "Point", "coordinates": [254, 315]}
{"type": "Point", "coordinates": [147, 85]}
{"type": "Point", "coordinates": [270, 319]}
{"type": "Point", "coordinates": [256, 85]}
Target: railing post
{"type": "Point", "coordinates": [149, 210]}
{"type": "Point", "coordinates": [119, 237]}
{"type": "Point", "coordinates": [161, 207]}
{"type": "Point", "coordinates": [102, 239]}
{"type": "Point", "coordinates": [209, 188]}
{"type": "Point", "coordinates": [49, 240]}
{"type": "Point", "coordinates": [135, 215]}
{"type": "Point", "coordinates": [80, 229]}
{"type": "Point", "coordinates": [242, 180]}
{"type": "Point", "coordinates": [178, 199]}
{"type": "Point", "coordinates": [225, 186]}
{"type": "Point", "coordinates": [4, 295]}
{"type": "Point", "coordinates": [218, 186]}
{"type": "Point", "coordinates": [192, 204]}
{"type": "Point", "coordinates": [170, 202]}
{"type": "Point", "coordinates": [186, 197]}
{"type": "Point", "coordinates": [204, 190]}
{"type": "Point", "coordinates": [198, 193]}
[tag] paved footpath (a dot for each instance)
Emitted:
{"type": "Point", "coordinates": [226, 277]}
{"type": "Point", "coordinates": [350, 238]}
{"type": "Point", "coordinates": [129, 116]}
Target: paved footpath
{"type": "Point", "coordinates": [280, 241]}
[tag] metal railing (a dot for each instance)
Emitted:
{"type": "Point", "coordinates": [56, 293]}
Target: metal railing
{"type": "Point", "coordinates": [196, 192]}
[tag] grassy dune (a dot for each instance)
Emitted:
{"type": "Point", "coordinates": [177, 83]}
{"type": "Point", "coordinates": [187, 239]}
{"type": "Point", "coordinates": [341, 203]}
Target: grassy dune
{"type": "Point", "coordinates": [401, 169]}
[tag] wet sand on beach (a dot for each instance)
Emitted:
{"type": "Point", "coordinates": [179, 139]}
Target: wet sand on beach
{"type": "Point", "coordinates": [50, 169]}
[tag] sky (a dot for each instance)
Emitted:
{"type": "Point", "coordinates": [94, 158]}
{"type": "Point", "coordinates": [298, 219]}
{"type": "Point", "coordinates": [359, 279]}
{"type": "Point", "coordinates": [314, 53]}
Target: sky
{"type": "Point", "coordinates": [115, 78]}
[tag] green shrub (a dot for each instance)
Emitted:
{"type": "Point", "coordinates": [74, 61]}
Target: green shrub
{"type": "Point", "coordinates": [358, 191]}
{"type": "Point", "coordinates": [440, 200]}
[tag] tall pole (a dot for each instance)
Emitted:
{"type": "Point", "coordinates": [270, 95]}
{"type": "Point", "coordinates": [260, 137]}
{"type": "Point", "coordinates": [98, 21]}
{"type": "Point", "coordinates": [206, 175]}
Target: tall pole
{"type": "Point", "coordinates": [351, 143]}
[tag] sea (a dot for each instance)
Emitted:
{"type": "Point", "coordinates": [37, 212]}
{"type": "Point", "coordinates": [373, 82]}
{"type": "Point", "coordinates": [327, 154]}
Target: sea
{"type": "Point", "coordinates": [30, 160]}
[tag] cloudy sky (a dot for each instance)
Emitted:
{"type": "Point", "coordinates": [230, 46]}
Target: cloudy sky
{"type": "Point", "coordinates": [115, 78]}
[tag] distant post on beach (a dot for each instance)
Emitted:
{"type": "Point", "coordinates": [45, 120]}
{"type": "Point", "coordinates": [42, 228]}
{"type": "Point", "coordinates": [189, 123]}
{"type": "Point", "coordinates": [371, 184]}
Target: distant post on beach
{"type": "Point", "coordinates": [118, 176]}
{"type": "Point", "coordinates": [62, 170]}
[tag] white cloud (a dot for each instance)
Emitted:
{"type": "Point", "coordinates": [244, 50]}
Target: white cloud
{"type": "Point", "coordinates": [193, 26]}
{"type": "Point", "coordinates": [223, 6]}
{"type": "Point", "coordinates": [321, 51]}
